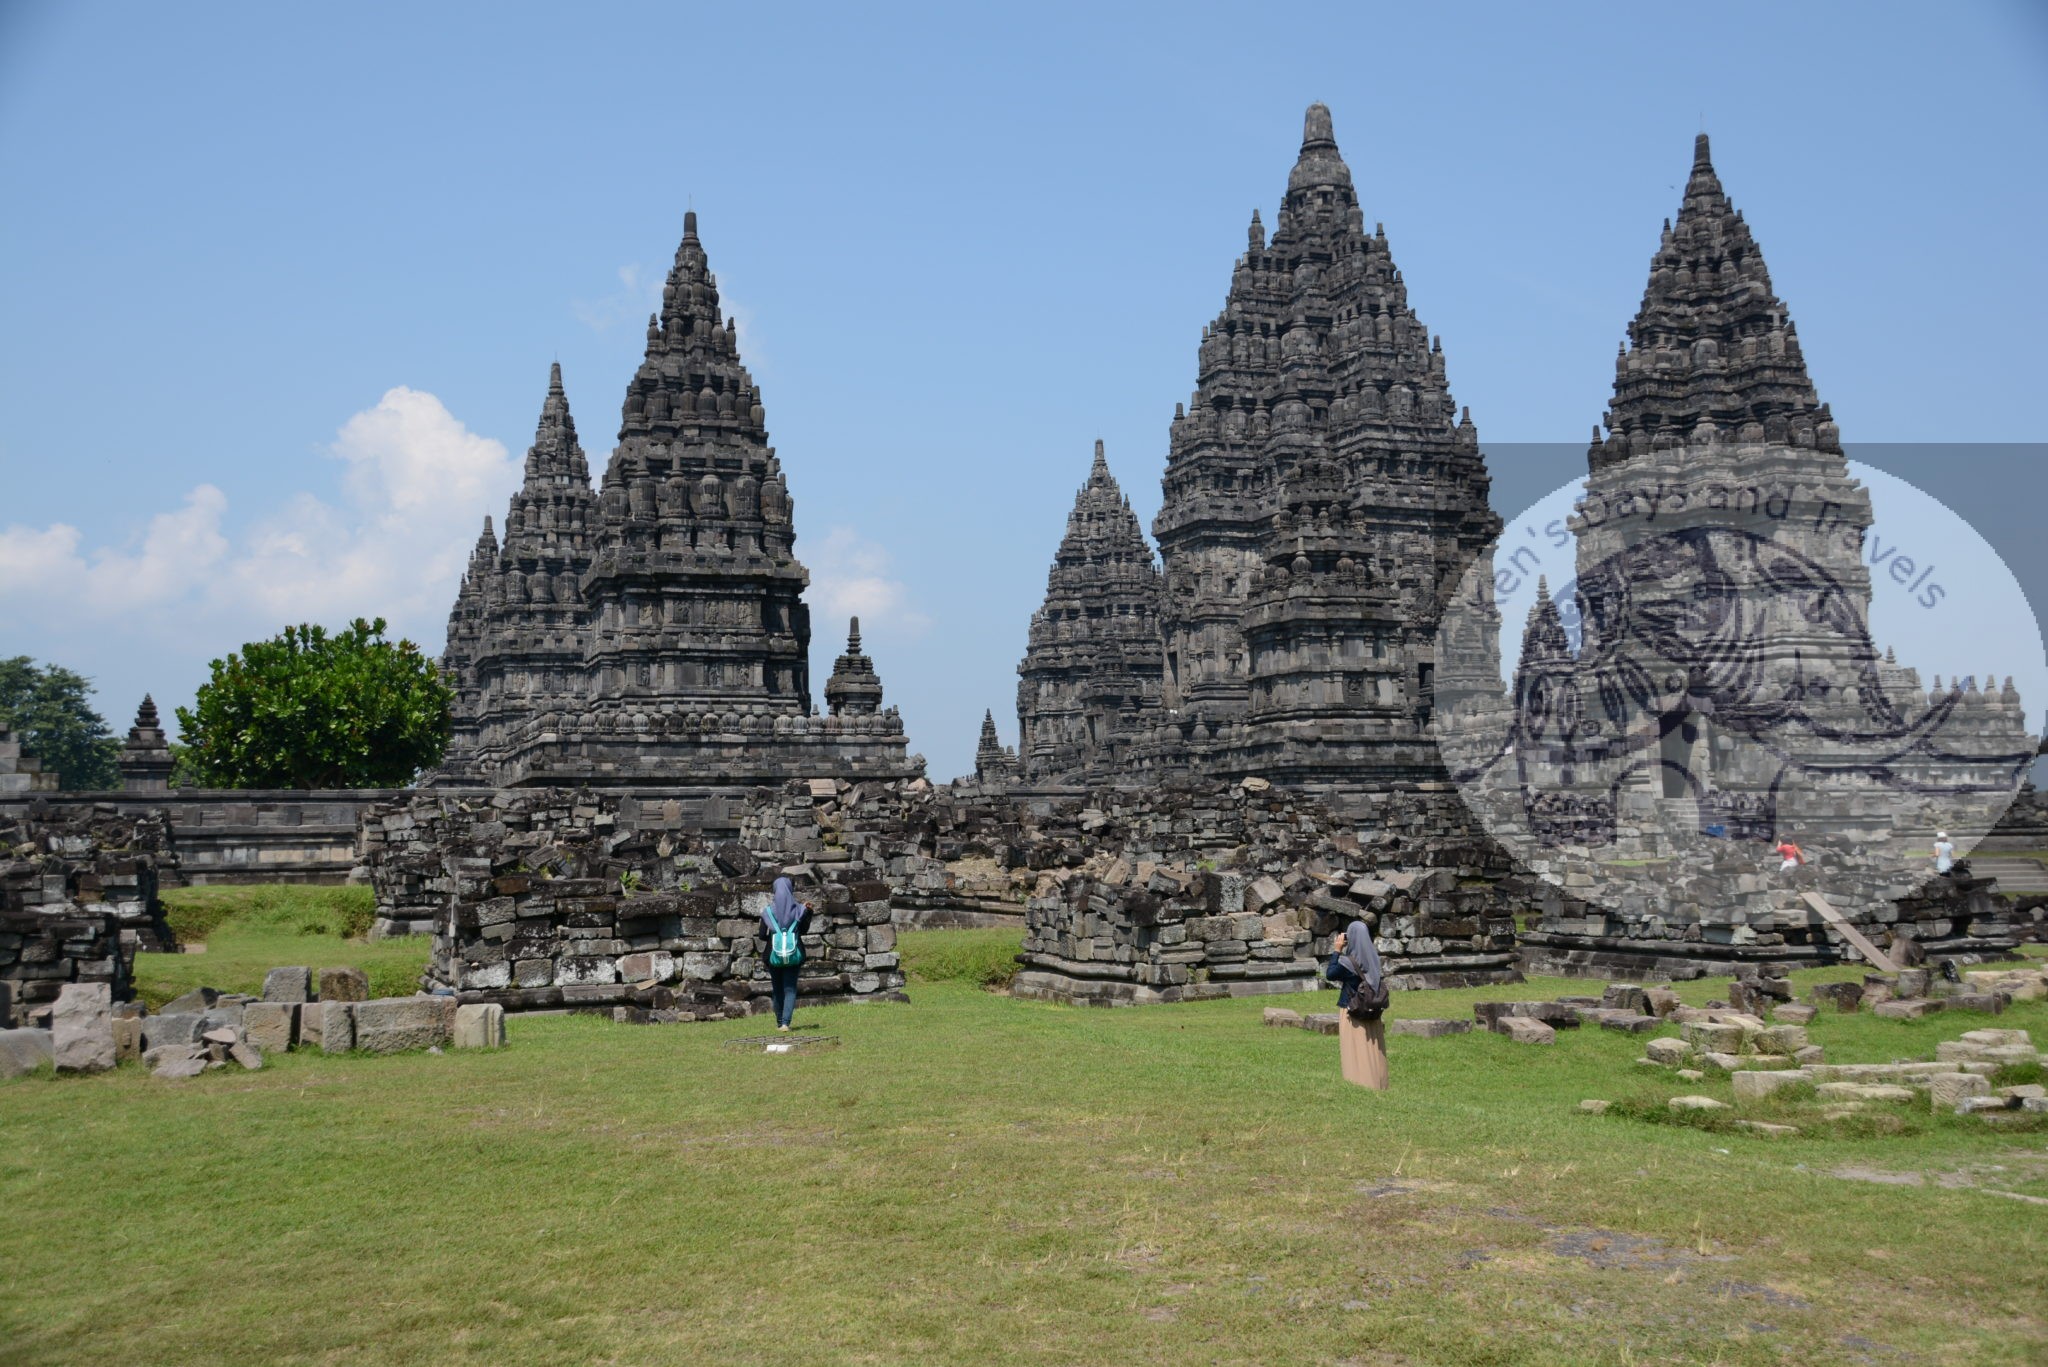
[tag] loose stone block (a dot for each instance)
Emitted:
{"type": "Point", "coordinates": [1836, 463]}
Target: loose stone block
{"type": "Point", "coordinates": [1768, 1130]}
{"type": "Point", "coordinates": [1662, 1001]}
{"type": "Point", "coordinates": [344, 985]}
{"type": "Point", "coordinates": [391, 1025]}
{"type": "Point", "coordinates": [186, 1066]}
{"type": "Point", "coordinates": [246, 1054]}
{"type": "Point", "coordinates": [1842, 996]}
{"type": "Point", "coordinates": [1696, 1103]}
{"type": "Point", "coordinates": [1629, 1024]}
{"type": "Point", "coordinates": [337, 1026]}
{"type": "Point", "coordinates": [82, 1028]}
{"type": "Point", "coordinates": [1794, 1013]}
{"type": "Point", "coordinates": [1906, 1010]}
{"type": "Point", "coordinates": [1525, 1030]}
{"type": "Point", "coordinates": [1320, 1022]}
{"type": "Point", "coordinates": [1710, 1037]}
{"type": "Point", "coordinates": [268, 1024]}
{"type": "Point", "coordinates": [127, 1038]}
{"type": "Point", "coordinates": [1752, 1085]}
{"type": "Point", "coordinates": [657, 966]}
{"type": "Point", "coordinates": [480, 1026]}
{"type": "Point", "coordinates": [1667, 1051]}
{"type": "Point", "coordinates": [1863, 1091]}
{"type": "Point", "coordinates": [1429, 1029]}
{"type": "Point", "coordinates": [1280, 1015]}
{"type": "Point", "coordinates": [1946, 1089]}
{"type": "Point", "coordinates": [1981, 1105]}
{"type": "Point", "coordinates": [288, 984]}
{"type": "Point", "coordinates": [24, 1051]}
{"type": "Point", "coordinates": [1594, 1106]}
{"type": "Point", "coordinates": [1779, 1039]}
{"type": "Point", "coordinates": [197, 1002]}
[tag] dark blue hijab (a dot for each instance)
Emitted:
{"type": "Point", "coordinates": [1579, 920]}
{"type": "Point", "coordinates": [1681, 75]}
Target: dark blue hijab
{"type": "Point", "coordinates": [784, 909]}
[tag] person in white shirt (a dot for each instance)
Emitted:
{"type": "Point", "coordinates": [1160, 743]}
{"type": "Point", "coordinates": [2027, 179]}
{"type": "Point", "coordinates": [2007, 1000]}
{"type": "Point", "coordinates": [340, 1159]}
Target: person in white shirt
{"type": "Point", "coordinates": [1944, 852]}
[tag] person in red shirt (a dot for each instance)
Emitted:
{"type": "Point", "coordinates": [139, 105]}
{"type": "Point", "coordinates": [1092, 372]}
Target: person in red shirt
{"type": "Point", "coordinates": [1792, 855]}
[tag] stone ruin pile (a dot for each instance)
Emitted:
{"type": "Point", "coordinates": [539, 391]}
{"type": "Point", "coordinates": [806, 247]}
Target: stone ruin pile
{"type": "Point", "coordinates": [550, 898]}
{"type": "Point", "coordinates": [204, 1029]}
{"type": "Point", "coordinates": [78, 898]}
{"type": "Point", "coordinates": [1725, 908]}
{"type": "Point", "coordinates": [1199, 890]}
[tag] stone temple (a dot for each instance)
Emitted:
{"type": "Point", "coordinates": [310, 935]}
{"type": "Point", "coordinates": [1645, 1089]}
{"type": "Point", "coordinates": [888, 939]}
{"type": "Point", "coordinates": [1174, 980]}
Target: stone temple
{"type": "Point", "coordinates": [653, 633]}
{"type": "Point", "coordinates": [1322, 494]}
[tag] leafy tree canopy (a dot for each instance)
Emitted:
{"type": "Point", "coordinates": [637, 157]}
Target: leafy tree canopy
{"type": "Point", "coordinates": [310, 710]}
{"type": "Point", "coordinates": [50, 716]}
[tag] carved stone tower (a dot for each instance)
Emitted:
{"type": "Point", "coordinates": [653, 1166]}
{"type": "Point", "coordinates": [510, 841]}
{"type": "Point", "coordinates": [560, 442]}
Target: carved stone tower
{"type": "Point", "coordinates": [1093, 663]}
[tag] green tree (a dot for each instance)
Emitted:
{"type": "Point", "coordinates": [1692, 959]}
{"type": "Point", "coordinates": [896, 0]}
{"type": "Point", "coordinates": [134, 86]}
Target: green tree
{"type": "Point", "coordinates": [48, 711]}
{"type": "Point", "coordinates": [310, 710]}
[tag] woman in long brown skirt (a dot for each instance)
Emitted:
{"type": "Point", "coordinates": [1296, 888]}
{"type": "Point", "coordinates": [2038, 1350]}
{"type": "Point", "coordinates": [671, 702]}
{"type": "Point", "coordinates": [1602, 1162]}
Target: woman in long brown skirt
{"type": "Point", "coordinates": [1361, 1045]}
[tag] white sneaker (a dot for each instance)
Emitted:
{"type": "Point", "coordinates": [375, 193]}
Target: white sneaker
{"type": "Point", "coordinates": [782, 1029]}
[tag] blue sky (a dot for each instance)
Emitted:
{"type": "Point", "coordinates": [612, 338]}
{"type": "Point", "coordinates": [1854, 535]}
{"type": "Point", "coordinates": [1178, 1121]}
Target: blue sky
{"type": "Point", "coordinates": [279, 285]}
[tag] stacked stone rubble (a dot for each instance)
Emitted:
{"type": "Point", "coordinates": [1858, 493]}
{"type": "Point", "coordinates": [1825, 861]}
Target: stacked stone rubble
{"type": "Point", "coordinates": [78, 898]}
{"type": "Point", "coordinates": [551, 898]}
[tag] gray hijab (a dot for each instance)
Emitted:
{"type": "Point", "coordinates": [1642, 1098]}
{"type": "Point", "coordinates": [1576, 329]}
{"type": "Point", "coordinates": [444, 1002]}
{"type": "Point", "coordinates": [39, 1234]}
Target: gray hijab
{"type": "Point", "coordinates": [1359, 954]}
{"type": "Point", "coordinates": [784, 908]}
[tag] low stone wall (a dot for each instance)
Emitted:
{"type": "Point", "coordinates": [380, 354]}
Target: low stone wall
{"type": "Point", "coordinates": [545, 898]}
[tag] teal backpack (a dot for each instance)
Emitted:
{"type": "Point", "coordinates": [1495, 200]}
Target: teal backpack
{"type": "Point", "coordinates": [783, 949]}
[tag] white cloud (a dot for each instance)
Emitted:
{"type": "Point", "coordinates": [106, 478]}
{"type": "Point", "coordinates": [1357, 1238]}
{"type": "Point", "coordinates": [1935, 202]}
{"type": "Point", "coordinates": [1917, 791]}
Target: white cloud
{"type": "Point", "coordinates": [637, 296]}
{"type": "Point", "coordinates": [416, 484]}
{"type": "Point", "coordinates": [850, 578]}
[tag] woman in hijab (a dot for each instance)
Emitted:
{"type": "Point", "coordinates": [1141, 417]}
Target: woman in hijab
{"type": "Point", "coordinates": [784, 912]}
{"type": "Point", "coordinates": [1361, 1045]}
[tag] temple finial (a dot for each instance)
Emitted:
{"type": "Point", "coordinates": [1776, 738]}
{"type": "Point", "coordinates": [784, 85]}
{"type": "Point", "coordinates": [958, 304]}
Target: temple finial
{"type": "Point", "coordinates": [1316, 130]}
{"type": "Point", "coordinates": [689, 225]}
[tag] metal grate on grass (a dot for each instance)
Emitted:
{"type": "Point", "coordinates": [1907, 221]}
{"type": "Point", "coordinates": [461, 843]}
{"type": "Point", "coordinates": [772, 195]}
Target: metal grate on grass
{"type": "Point", "coordinates": [781, 1044]}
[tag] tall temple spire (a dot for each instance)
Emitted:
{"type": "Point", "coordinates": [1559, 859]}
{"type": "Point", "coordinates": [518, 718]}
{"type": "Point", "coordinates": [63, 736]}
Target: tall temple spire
{"type": "Point", "coordinates": [1712, 353]}
{"type": "Point", "coordinates": [1094, 646]}
{"type": "Point", "coordinates": [1317, 369]}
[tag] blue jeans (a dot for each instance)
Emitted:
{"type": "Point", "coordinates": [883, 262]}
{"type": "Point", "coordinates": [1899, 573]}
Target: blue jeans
{"type": "Point", "coordinates": [782, 988]}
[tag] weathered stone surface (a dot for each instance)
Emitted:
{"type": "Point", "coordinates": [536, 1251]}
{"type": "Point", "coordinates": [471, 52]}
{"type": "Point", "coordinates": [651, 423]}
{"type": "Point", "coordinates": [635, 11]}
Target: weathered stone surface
{"type": "Point", "coordinates": [197, 1002]}
{"type": "Point", "coordinates": [481, 1026]}
{"type": "Point", "coordinates": [657, 966]}
{"type": "Point", "coordinates": [1906, 1010]}
{"type": "Point", "coordinates": [1594, 1106]}
{"type": "Point", "coordinates": [1429, 1029]}
{"type": "Point", "coordinates": [1668, 1052]}
{"type": "Point", "coordinates": [336, 1027]}
{"type": "Point", "coordinates": [24, 1050]}
{"type": "Point", "coordinates": [1842, 996]}
{"type": "Point", "coordinates": [1946, 1089]}
{"type": "Point", "coordinates": [1710, 1037]}
{"type": "Point", "coordinates": [246, 1054]}
{"type": "Point", "coordinates": [344, 985]}
{"type": "Point", "coordinates": [288, 984]}
{"type": "Point", "coordinates": [390, 1025]}
{"type": "Point", "coordinates": [1767, 1129]}
{"type": "Point", "coordinates": [1525, 1030]}
{"type": "Point", "coordinates": [127, 1038]}
{"type": "Point", "coordinates": [1696, 1103]}
{"type": "Point", "coordinates": [1779, 1039]}
{"type": "Point", "coordinates": [1794, 1013]}
{"type": "Point", "coordinates": [1280, 1015]}
{"type": "Point", "coordinates": [1630, 1024]}
{"type": "Point", "coordinates": [1863, 1091]}
{"type": "Point", "coordinates": [82, 1028]}
{"type": "Point", "coordinates": [1751, 1085]}
{"type": "Point", "coordinates": [268, 1024]}
{"type": "Point", "coordinates": [180, 1066]}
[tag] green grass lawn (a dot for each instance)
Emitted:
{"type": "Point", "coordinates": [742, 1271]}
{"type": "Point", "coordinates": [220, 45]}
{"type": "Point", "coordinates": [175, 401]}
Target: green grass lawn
{"type": "Point", "coordinates": [972, 1179]}
{"type": "Point", "coordinates": [249, 930]}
